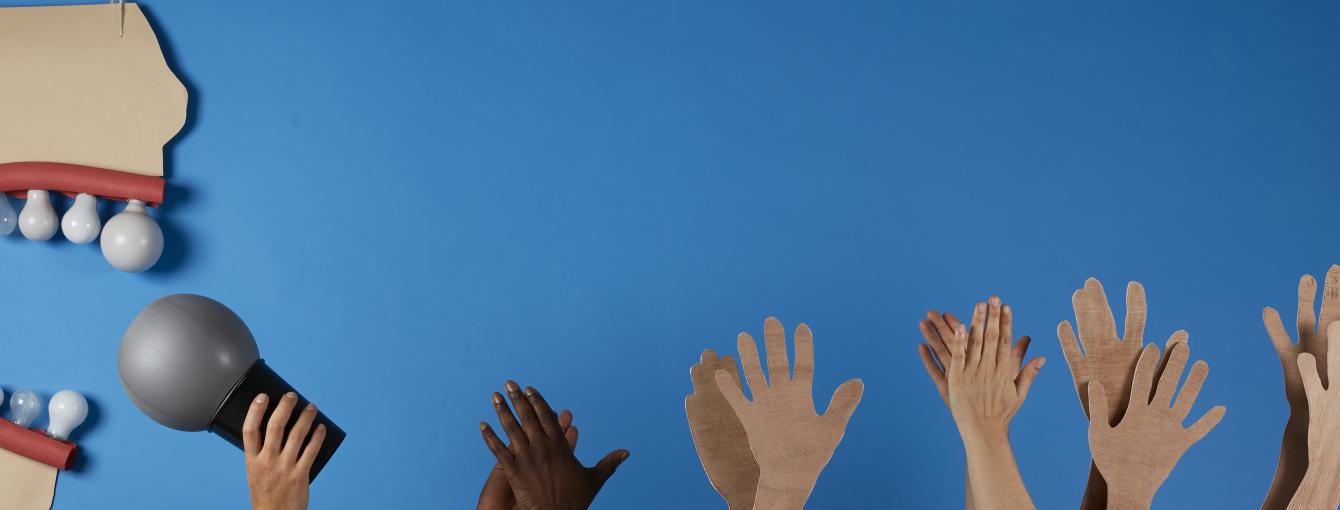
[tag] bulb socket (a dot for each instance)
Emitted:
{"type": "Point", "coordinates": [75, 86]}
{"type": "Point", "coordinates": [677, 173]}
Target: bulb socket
{"type": "Point", "coordinates": [260, 378]}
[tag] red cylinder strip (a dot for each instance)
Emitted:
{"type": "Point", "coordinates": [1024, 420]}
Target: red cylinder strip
{"type": "Point", "coordinates": [17, 178]}
{"type": "Point", "coordinates": [36, 445]}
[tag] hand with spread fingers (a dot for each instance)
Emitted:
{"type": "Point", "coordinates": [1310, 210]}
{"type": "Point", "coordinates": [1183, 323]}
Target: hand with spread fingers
{"type": "Point", "coordinates": [984, 385]}
{"type": "Point", "coordinates": [278, 470]}
{"type": "Point", "coordinates": [539, 463]}
{"type": "Point", "coordinates": [1139, 453]}
{"type": "Point", "coordinates": [1293, 460]}
{"type": "Point", "coordinates": [718, 435]}
{"type": "Point", "coordinates": [790, 440]}
{"type": "Point", "coordinates": [497, 492]}
{"type": "Point", "coordinates": [1106, 358]}
{"type": "Point", "coordinates": [1320, 486]}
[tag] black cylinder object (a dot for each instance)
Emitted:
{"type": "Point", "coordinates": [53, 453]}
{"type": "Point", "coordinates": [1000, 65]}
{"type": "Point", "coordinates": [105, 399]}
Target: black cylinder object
{"type": "Point", "coordinates": [227, 423]}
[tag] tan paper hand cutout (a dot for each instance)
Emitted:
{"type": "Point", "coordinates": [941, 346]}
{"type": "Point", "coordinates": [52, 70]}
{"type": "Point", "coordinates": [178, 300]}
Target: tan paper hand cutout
{"type": "Point", "coordinates": [718, 434]}
{"type": "Point", "coordinates": [1293, 460]}
{"type": "Point", "coordinates": [1136, 455]}
{"type": "Point", "coordinates": [1320, 487]}
{"type": "Point", "coordinates": [790, 439]}
{"type": "Point", "coordinates": [1106, 358]}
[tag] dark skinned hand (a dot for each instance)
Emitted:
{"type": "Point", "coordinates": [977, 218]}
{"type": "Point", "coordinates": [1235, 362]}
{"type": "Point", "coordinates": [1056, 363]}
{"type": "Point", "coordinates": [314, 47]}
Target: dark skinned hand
{"type": "Point", "coordinates": [497, 493]}
{"type": "Point", "coordinates": [539, 463]}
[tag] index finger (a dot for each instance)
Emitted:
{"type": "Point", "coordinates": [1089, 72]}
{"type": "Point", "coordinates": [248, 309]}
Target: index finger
{"type": "Point", "coordinates": [251, 425]}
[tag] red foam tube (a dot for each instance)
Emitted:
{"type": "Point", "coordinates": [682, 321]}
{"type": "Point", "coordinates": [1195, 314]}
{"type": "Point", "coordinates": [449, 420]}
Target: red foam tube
{"type": "Point", "coordinates": [17, 178]}
{"type": "Point", "coordinates": [36, 445]}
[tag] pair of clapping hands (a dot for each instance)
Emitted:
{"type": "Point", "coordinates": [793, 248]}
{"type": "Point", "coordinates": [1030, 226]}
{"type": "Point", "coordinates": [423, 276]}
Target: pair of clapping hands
{"type": "Point", "coordinates": [979, 372]}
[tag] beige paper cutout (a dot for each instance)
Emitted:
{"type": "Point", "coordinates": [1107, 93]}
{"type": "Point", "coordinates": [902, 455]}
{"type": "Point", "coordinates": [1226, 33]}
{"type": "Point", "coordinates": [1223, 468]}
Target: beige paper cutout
{"type": "Point", "coordinates": [718, 435]}
{"type": "Point", "coordinates": [74, 91]}
{"type": "Point", "coordinates": [1139, 453]}
{"type": "Point", "coordinates": [790, 440]}
{"type": "Point", "coordinates": [1320, 486]}
{"type": "Point", "coordinates": [1293, 459]}
{"type": "Point", "coordinates": [25, 484]}
{"type": "Point", "coordinates": [1106, 358]}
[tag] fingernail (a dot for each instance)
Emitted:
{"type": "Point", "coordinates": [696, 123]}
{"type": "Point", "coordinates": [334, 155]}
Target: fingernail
{"type": "Point", "coordinates": [260, 399]}
{"type": "Point", "coordinates": [310, 408]}
{"type": "Point", "coordinates": [512, 387]}
{"type": "Point", "coordinates": [624, 456]}
{"type": "Point", "coordinates": [483, 426]}
{"type": "Point", "coordinates": [1005, 308]}
{"type": "Point", "coordinates": [530, 391]}
{"type": "Point", "coordinates": [995, 301]}
{"type": "Point", "coordinates": [290, 396]}
{"type": "Point", "coordinates": [497, 399]}
{"type": "Point", "coordinates": [1041, 363]}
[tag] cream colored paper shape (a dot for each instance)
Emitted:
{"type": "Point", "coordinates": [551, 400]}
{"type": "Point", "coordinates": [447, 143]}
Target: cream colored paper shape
{"type": "Point", "coordinates": [1320, 487]}
{"type": "Point", "coordinates": [25, 484]}
{"type": "Point", "coordinates": [73, 90]}
{"type": "Point", "coordinates": [718, 435]}
{"type": "Point", "coordinates": [1138, 454]}
{"type": "Point", "coordinates": [791, 441]}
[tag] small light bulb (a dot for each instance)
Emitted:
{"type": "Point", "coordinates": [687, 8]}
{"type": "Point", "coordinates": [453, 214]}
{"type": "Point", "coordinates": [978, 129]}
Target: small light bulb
{"type": "Point", "coordinates": [24, 407]}
{"type": "Point", "coordinates": [38, 220]}
{"type": "Point", "coordinates": [132, 241]}
{"type": "Point", "coordinates": [67, 410]}
{"type": "Point", "coordinates": [81, 223]}
{"type": "Point", "coordinates": [9, 220]}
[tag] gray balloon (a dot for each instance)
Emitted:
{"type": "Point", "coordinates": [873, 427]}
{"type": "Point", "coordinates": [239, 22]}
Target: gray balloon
{"type": "Point", "coordinates": [182, 356]}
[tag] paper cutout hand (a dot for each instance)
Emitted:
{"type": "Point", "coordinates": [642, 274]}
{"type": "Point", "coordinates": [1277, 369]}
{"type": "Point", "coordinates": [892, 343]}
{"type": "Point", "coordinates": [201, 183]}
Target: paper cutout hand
{"type": "Point", "coordinates": [1137, 454]}
{"type": "Point", "coordinates": [1293, 460]}
{"type": "Point", "coordinates": [539, 463]}
{"type": "Point", "coordinates": [720, 438]}
{"type": "Point", "coordinates": [790, 440]}
{"type": "Point", "coordinates": [497, 492]}
{"type": "Point", "coordinates": [1320, 487]}
{"type": "Point", "coordinates": [1106, 358]}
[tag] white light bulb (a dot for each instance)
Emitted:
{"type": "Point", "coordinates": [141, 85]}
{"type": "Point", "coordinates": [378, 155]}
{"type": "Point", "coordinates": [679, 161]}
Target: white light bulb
{"type": "Point", "coordinates": [132, 241]}
{"type": "Point", "coordinates": [8, 219]}
{"type": "Point", "coordinates": [68, 409]}
{"type": "Point", "coordinates": [81, 223]}
{"type": "Point", "coordinates": [24, 407]}
{"type": "Point", "coordinates": [38, 219]}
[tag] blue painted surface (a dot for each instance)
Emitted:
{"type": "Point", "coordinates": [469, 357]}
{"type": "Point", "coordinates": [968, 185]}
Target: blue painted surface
{"type": "Point", "coordinates": [410, 202]}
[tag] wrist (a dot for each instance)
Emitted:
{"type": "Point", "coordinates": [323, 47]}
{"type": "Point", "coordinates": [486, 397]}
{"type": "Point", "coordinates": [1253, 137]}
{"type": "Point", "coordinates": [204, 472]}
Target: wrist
{"type": "Point", "coordinates": [1128, 500]}
{"type": "Point", "coordinates": [775, 492]}
{"type": "Point", "coordinates": [984, 436]}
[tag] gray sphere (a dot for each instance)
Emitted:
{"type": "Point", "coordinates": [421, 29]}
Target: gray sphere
{"type": "Point", "coordinates": [181, 357]}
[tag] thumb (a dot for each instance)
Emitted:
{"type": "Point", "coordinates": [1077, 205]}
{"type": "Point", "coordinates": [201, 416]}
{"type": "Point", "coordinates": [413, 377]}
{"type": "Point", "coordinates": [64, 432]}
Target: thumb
{"type": "Point", "coordinates": [605, 468]}
{"type": "Point", "coordinates": [1025, 379]}
{"type": "Point", "coordinates": [844, 401]}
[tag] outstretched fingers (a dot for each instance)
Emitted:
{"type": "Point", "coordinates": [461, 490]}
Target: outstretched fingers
{"type": "Point", "coordinates": [1136, 310]}
{"type": "Point", "coordinates": [1093, 313]}
{"type": "Point", "coordinates": [804, 356]}
{"type": "Point", "coordinates": [844, 401]}
{"type": "Point", "coordinates": [933, 370]}
{"type": "Point", "coordinates": [1098, 413]}
{"type": "Point", "coordinates": [733, 394]}
{"type": "Point", "coordinates": [991, 339]}
{"type": "Point", "coordinates": [1143, 380]}
{"type": "Point", "coordinates": [1172, 374]}
{"type": "Point", "coordinates": [1206, 423]}
{"type": "Point", "coordinates": [1275, 328]}
{"type": "Point", "coordinates": [774, 341]}
{"type": "Point", "coordinates": [1191, 390]}
{"type": "Point", "coordinates": [749, 362]}
{"type": "Point", "coordinates": [1307, 370]}
{"type": "Point", "coordinates": [975, 335]}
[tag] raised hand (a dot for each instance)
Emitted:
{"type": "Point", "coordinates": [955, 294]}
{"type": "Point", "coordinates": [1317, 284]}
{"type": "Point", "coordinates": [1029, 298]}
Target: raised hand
{"type": "Point", "coordinates": [539, 463]}
{"type": "Point", "coordinates": [1136, 455]}
{"type": "Point", "coordinates": [789, 439]}
{"type": "Point", "coordinates": [1105, 358]}
{"type": "Point", "coordinates": [985, 386]}
{"type": "Point", "coordinates": [1320, 487]}
{"type": "Point", "coordinates": [279, 467]}
{"type": "Point", "coordinates": [1293, 460]}
{"type": "Point", "coordinates": [718, 435]}
{"type": "Point", "coordinates": [497, 493]}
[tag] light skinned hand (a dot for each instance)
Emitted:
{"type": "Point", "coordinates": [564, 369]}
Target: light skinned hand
{"type": "Point", "coordinates": [279, 471]}
{"type": "Point", "coordinates": [791, 441]}
{"type": "Point", "coordinates": [985, 386]}
{"type": "Point", "coordinates": [538, 461]}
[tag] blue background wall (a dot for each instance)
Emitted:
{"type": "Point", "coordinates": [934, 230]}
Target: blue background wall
{"type": "Point", "coordinates": [411, 201]}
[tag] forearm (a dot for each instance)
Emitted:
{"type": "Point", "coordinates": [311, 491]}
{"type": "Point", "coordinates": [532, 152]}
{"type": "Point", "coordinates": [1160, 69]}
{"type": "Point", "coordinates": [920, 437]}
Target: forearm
{"type": "Point", "coordinates": [775, 494]}
{"type": "Point", "coordinates": [1292, 465]}
{"type": "Point", "coordinates": [993, 472]}
{"type": "Point", "coordinates": [967, 497]}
